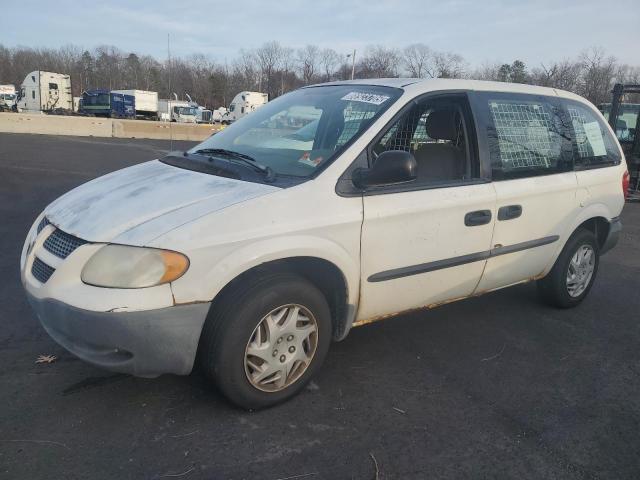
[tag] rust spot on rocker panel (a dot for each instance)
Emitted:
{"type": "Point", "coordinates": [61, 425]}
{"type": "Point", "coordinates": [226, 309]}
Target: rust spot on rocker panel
{"type": "Point", "coordinates": [379, 318]}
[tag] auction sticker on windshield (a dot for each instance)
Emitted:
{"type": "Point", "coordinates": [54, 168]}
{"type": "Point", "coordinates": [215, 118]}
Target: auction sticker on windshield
{"type": "Point", "coordinates": [372, 98]}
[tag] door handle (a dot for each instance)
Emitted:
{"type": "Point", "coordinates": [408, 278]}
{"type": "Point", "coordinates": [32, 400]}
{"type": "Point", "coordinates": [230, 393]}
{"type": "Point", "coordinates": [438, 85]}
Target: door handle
{"type": "Point", "coordinates": [479, 217]}
{"type": "Point", "coordinates": [509, 212]}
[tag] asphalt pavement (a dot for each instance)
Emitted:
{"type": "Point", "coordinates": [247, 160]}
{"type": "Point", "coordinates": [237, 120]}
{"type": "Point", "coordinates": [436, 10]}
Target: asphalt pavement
{"type": "Point", "coordinates": [497, 386]}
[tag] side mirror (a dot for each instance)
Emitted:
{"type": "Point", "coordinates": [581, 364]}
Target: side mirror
{"type": "Point", "coordinates": [391, 167]}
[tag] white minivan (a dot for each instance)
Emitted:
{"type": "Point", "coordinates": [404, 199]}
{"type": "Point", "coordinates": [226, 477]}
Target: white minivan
{"type": "Point", "coordinates": [252, 254]}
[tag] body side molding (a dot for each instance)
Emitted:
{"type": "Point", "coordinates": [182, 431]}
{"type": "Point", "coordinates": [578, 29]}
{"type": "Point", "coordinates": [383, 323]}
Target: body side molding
{"type": "Point", "coordinates": [461, 260]}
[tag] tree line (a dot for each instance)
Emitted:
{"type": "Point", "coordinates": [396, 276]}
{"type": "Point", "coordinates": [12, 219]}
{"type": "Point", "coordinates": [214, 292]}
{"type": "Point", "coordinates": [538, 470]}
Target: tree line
{"type": "Point", "coordinates": [276, 69]}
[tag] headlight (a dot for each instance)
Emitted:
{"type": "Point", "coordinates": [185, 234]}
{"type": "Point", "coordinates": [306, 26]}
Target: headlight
{"type": "Point", "coordinates": [120, 266]}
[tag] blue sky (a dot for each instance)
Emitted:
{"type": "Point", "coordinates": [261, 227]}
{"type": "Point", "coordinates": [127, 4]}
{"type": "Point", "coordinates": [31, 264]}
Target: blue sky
{"type": "Point", "coordinates": [481, 31]}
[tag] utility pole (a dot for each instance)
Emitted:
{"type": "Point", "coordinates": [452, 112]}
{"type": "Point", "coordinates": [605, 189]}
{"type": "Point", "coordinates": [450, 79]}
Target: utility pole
{"type": "Point", "coordinates": [169, 95]}
{"type": "Point", "coordinates": [353, 63]}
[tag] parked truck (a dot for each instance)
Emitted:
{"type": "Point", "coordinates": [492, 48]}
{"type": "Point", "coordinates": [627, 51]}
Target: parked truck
{"type": "Point", "coordinates": [146, 103]}
{"type": "Point", "coordinates": [243, 104]}
{"type": "Point", "coordinates": [218, 114]}
{"type": "Point", "coordinates": [7, 97]}
{"type": "Point", "coordinates": [203, 115]}
{"type": "Point", "coordinates": [181, 111]}
{"type": "Point", "coordinates": [47, 92]}
{"type": "Point", "coordinates": [103, 103]}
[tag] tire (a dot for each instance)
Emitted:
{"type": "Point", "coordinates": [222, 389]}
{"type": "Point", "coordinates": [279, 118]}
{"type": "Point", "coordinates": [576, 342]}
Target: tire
{"type": "Point", "coordinates": [556, 289]}
{"type": "Point", "coordinates": [237, 326]}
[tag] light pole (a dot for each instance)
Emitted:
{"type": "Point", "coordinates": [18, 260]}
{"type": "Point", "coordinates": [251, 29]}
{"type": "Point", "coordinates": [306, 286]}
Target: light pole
{"type": "Point", "coordinates": [353, 62]}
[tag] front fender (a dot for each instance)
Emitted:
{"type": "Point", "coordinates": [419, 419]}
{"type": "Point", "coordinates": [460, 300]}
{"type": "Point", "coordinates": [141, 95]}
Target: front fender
{"type": "Point", "coordinates": [206, 278]}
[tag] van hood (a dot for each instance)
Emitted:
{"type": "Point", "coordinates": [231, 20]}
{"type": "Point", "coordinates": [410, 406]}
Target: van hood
{"type": "Point", "coordinates": [137, 204]}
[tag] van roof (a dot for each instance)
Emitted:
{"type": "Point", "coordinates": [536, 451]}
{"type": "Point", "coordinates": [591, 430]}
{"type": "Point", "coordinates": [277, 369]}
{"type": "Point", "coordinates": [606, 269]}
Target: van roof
{"type": "Point", "coordinates": [418, 85]}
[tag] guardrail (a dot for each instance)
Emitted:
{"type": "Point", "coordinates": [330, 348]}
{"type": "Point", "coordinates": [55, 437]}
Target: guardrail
{"type": "Point", "coordinates": [38, 123]}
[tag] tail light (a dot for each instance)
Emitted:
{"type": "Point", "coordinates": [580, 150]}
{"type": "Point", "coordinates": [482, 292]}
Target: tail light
{"type": "Point", "coordinates": [625, 183]}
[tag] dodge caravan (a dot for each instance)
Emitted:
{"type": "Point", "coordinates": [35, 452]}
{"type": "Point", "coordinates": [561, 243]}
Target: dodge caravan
{"type": "Point", "coordinates": [255, 249]}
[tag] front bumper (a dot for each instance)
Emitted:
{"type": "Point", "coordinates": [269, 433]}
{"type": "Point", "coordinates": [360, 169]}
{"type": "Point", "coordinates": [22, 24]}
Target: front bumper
{"type": "Point", "coordinates": [136, 331]}
{"type": "Point", "coordinates": [142, 343]}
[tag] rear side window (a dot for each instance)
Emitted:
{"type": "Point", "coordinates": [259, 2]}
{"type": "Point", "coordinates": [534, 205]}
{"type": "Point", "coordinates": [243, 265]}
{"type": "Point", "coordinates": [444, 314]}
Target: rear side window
{"type": "Point", "coordinates": [593, 145]}
{"type": "Point", "coordinates": [526, 135]}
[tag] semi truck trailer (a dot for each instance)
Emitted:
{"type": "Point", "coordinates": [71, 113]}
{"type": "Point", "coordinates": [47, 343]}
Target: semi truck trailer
{"type": "Point", "coordinates": [45, 92]}
{"type": "Point", "coordinates": [146, 103]}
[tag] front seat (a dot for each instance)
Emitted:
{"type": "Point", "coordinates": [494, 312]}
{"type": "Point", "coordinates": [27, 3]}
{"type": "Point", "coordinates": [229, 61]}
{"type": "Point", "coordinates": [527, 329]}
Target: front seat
{"type": "Point", "coordinates": [441, 161]}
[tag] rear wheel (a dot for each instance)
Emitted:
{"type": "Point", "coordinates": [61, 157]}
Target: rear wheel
{"type": "Point", "coordinates": [265, 339]}
{"type": "Point", "coordinates": [574, 272]}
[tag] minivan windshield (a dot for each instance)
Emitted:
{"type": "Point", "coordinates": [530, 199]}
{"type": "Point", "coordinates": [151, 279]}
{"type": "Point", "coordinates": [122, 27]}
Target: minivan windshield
{"type": "Point", "coordinates": [302, 131]}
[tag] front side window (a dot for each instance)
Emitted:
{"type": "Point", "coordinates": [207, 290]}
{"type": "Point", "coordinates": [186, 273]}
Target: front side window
{"type": "Point", "coordinates": [301, 132]}
{"type": "Point", "coordinates": [592, 142]}
{"type": "Point", "coordinates": [527, 135]}
{"type": "Point", "coordinates": [436, 132]}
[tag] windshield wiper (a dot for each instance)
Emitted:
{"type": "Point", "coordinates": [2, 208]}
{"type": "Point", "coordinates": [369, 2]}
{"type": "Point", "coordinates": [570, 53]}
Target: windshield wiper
{"type": "Point", "coordinates": [243, 158]}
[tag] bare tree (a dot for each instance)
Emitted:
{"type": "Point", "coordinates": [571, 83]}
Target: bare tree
{"type": "Point", "coordinates": [269, 56]}
{"type": "Point", "coordinates": [277, 69]}
{"type": "Point", "coordinates": [598, 72]}
{"type": "Point", "coordinates": [286, 66]}
{"type": "Point", "coordinates": [378, 62]}
{"type": "Point", "coordinates": [487, 71]}
{"type": "Point", "coordinates": [447, 65]}
{"type": "Point", "coordinates": [308, 59]}
{"type": "Point", "coordinates": [564, 75]}
{"type": "Point", "coordinates": [417, 59]}
{"type": "Point", "coordinates": [329, 60]}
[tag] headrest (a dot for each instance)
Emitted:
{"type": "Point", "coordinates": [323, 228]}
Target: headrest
{"type": "Point", "coordinates": [441, 125]}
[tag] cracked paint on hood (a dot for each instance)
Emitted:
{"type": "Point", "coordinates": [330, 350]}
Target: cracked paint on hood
{"type": "Point", "coordinates": [139, 203]}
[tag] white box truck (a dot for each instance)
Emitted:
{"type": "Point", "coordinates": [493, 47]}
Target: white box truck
{"type": "Point", "coordinates": [146, 103]}
{"type": "Point", "coordinates": [7, 97]}
{"type": "Point", "coordinates": [45, 92]}
{"type": "Point", "coordinates": [179, 111]}
{"type": "Point", "coordinates": [243, 104]}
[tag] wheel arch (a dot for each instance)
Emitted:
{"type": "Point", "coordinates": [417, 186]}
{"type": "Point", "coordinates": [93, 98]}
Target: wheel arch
{"type": "Point", "coordinates": [324, 263]}
{"type": "Point", "coordinates": [325, 275]}
{"type": "Point", "coordinates": [594, 218]}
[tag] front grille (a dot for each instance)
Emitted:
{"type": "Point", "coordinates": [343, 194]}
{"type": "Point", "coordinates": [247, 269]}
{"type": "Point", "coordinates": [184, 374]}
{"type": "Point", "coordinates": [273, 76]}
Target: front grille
{"type": "Point", "coordinates": [43, 223]}
{"type": "Point", "coordinates": [41, 271]}
{"type": "Point", "coordinates": [62, 244]}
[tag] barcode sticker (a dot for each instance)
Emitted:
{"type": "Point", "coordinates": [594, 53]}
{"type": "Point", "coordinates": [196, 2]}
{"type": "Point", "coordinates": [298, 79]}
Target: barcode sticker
{"type": "Point", "coordinates": [372, 98]}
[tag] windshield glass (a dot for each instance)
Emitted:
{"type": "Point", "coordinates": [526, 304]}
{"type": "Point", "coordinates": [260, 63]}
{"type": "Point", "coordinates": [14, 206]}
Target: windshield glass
{"type": "Point", "coordinates": [93, 99]}
{"type": "Point", "coordinates": [305, 129]}
{"type": "Point", "coordinates": [186, 111]}
{"type": "Point", "coordinates": [8, 96]}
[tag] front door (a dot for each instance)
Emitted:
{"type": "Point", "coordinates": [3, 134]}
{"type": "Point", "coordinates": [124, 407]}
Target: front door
{"type": "Point", "coordinates": [426, 241]}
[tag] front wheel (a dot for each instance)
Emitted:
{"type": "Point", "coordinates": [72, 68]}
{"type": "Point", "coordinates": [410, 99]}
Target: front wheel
{"type": "Point", "coordinates": [574, 272]}
{"type": "Point", "coordinates": [265, 339]}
